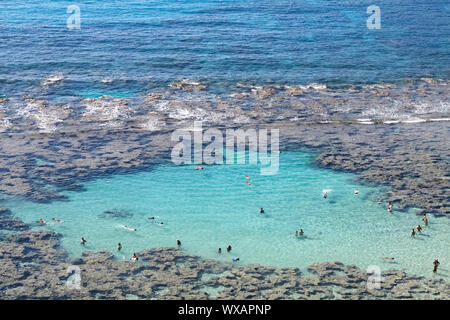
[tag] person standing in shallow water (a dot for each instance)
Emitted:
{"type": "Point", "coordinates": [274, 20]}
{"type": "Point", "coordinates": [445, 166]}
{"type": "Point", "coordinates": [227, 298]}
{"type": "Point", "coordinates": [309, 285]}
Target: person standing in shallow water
{"type": "Point", "coordinates": [425, 219]}
{"type": "Point", "coordinates": [178, 243]}
{"type": "Point", "coordinates": [413, 233]}
{"type": "Point", "coordinates": [229, 248]}
{"type": "Point", "coordinates": [436, 265]}
{"type": "Point", "coordinates": [419, 228]}
{"type": "Point", "coordinates": [261, 210]}
{"type": "Point", "coordinates": [220, 250]}
{"type": "Point", "coordinates": [119, 246]}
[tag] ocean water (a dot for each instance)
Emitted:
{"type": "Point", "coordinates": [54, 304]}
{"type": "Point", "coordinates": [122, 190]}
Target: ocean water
{"type": "Point", "coordinates": [213, 208]}
{"type": "Point", "coordinates": [142, 45]}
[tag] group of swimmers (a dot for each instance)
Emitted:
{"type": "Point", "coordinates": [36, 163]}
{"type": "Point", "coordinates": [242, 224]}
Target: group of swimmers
{"type": "Point", "coordinates": [419, 228]}
{"type": "Point", "coordinates": [53, 219]}
{"type": "Point", "coordinates": [228, 249]}
{"type": "Point", "coordinates": [299, 233]}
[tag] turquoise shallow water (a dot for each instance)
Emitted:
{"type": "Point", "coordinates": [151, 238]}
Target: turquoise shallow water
{"type": "Point", "coordinates": [212, 208]}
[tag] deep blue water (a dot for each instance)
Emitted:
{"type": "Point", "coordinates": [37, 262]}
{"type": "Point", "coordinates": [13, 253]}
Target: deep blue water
{"type": "Point", "coordinates": [144, 45]}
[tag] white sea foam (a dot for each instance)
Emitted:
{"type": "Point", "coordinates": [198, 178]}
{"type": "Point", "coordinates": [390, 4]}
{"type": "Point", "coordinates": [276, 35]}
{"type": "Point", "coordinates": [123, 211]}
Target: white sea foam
{"type": "Point", "coordinates": [51, 79]}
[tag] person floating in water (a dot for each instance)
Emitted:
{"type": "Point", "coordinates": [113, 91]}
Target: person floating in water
{"type": "Point", "coordinates": [436, 265]}
{"type": "Point", "coordinates": [57, 220]}
{"type": "Point", "coordinates": [134, 257]}
{"type": "Point", "coordinates": [235, 259]}
{"type": "Point", "coordinates": [228, 248]}
{"type": "Point", "coordinates": [387, 258]}
{"type": "Point", "coordinates": [119, 246]}
{"type": "Point", "coordinates": [425, 219]}
{"type": "Point", "coordinates": [179, 243]}
{"type": "Point", "coordinates": [356, 192]}
{"type": "Point", "coordinates": [261, 210]}
{"type": "Point", "coordinates": [198, 168]}
{"type": "Point", "coordinates": [83, 240]}
{"type": "Point", "coordinates": [419, 228]}
{"type": "Point", "coordinates": [220, 250]}
{"type": "Point", "coordinates": [413, 233]}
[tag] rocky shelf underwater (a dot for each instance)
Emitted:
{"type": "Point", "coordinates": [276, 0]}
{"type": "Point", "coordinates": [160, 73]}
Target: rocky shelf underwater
{"type": "Point", "coordinates": [47, 148]}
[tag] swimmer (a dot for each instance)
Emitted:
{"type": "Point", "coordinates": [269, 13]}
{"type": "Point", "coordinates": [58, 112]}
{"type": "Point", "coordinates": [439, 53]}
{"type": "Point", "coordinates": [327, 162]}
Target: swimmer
{"type": "Point", "coordinates": [57, 220]}
{"type": "Point", "coordinates": [387, 258]}
{"type": "Point", "coordinates": [413, 233]}
{"type": "Point", "coordinates": [235, 259]}
{"type": "Point", "coordinates": [151, 218]}
{"type": "Point", "coordinates": [390, 209]}
{"type": "Point", "coordinates": [128, 228]}
{"type": "Point", "coordinates": [179, 243]}
{"type": "Point", "coordinates": [228, 248]}
{"type": "Point", "coordinates": [436, 265]}
{"type": "Point", "coordinates": [419, 228]}
{"type": "Point", "coordinates": [301, 232]}
{"type": "Point", "coordinates": [425, 219]}
{"type": "Point", "coordinates": [356, 192]}
{"type": "Point", "coordinates": [119, 246]}
{"type": "Point", "coordinates": [261, 210]}
{"type": "Point", "coordinates": [390, 205]}
{"type": "Point", "coordinates": [325, 195]}
{"type": "Point", "coordinates": [134, 257]}
{"type": "Point", "coordinates": [247, 177]}
{"type": "Point", "coordinates": [83, 241]}
{"type": "Point", "coordinates": [248, 183]}
{"type": "Point", "coordinates": [220, 250]}
{"type": "Point", "coordinates": [296, 233]}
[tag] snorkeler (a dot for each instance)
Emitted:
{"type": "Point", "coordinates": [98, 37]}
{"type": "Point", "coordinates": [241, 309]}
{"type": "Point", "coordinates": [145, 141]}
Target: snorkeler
{"type": "Point", "coordinates": [83, 240]}
{"type": "Point", "coordinates": [119, 246]}
{"type": "Point", "coordinates": [425, 219]}
{"type": "Point", "coordinates": [228, 248]}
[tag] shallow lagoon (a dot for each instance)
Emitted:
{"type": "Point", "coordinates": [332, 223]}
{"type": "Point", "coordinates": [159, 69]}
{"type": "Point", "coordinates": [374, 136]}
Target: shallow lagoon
{"type": "Point", "coordinates": [212, 208]}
